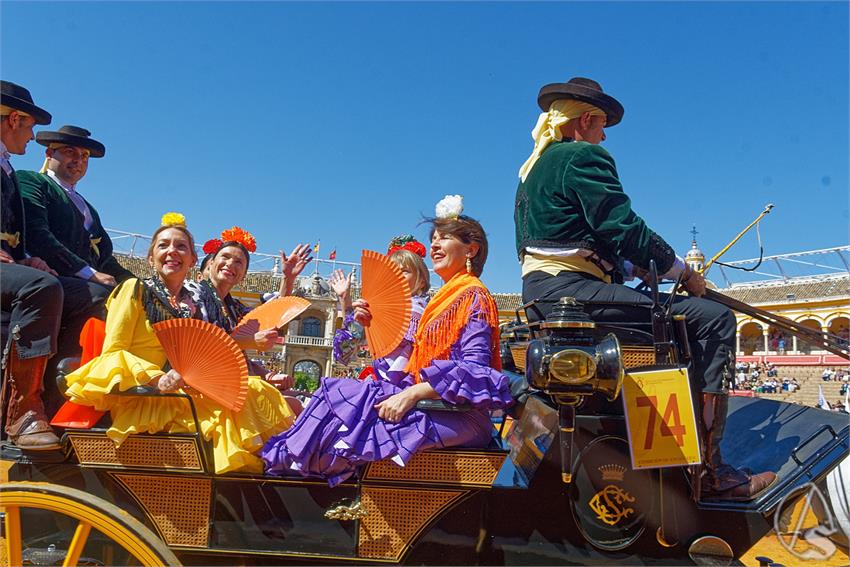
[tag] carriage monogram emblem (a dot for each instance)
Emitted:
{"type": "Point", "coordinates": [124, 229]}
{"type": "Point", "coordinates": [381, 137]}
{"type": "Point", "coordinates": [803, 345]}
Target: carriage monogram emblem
{"type": "Point", "coordinates": [609, 504]}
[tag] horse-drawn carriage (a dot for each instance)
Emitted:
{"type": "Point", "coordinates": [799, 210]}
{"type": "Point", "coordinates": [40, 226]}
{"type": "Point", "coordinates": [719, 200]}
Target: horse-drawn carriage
{"type": "Point", "coordinates": [557, 485]}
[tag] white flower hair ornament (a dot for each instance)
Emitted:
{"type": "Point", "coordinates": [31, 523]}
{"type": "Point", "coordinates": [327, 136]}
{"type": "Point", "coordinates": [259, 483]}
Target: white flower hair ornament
{"type": "Point", "coordinates": [449, 207]}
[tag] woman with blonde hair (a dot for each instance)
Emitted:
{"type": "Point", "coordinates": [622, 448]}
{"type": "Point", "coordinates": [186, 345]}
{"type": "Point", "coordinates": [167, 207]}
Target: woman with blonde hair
{"type": "Point", "coordinates": [408, 254]}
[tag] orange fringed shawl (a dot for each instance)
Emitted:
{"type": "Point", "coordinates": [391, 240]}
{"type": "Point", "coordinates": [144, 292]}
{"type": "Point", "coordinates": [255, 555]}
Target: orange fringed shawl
{"type": "Point", "coordinates": [445, 317]}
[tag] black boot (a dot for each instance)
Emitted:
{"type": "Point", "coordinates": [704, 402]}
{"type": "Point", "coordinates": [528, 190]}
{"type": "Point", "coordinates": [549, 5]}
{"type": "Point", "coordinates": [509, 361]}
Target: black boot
{"type": "Point", "coordinates": [720, 481]}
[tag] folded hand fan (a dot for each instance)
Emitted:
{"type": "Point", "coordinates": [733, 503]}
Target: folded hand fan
{"type": "Point", "coordinates": [78, 416]}
{"type": "Point", "coordinates": [388, 294]}
{"type": "Point", "coordinates": [207, 358]}
{"type": "Point", "coordinates": [273, 314]}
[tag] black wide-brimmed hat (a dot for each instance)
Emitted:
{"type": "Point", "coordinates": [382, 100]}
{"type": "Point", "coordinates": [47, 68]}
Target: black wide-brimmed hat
{"type": "Point", "coordinates": [72, 136]}
{"type": "Point", "coordinates": [585, 90]}
{"type": "Point", "coordinates": [19, 98]}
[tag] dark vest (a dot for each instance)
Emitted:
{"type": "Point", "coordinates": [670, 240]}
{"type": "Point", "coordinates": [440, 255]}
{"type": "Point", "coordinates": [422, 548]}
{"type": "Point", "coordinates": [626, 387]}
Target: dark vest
{"type": "Point", "coordinates": [12, 216]}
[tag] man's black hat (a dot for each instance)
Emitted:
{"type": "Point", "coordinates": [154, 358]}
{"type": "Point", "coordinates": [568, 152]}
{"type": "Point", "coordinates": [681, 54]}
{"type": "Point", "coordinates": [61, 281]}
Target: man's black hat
{"type": "Point", "coordinates": [19, 98]}
{"type": "Point", "coordinates": [585, 90]}
{"type": "Point", "coordinates": [72, 136]}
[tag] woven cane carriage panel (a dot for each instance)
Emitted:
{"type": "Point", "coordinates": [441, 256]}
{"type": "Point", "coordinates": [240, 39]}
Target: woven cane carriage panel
{"type": "Point", "coordinates": [518, 354]}
{"type": "Point", "coordinates": [637, 356]}
{"type": "Point", "coordinates": [179, 507]}
{"type": "Point", "coordinates": [442, 467]}
{"type": "Point", "coordinates": [397, 516]}
{"type": "Point", "coordinates": [137, 451]}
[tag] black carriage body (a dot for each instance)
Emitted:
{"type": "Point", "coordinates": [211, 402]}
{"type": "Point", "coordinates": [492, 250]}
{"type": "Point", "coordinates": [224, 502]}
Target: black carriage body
{"type": "Point", "coordinates": [520, 501]}
{"type": "Point", "coordinates": [503, 505]}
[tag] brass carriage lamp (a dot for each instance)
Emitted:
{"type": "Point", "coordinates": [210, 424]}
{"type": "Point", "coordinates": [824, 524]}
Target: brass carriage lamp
{"type": "Point", "coordinates": [570, 362]}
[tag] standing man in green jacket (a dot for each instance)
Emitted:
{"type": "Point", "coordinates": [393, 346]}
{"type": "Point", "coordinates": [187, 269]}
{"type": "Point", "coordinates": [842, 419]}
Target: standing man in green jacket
{"type": "Point", "coordinates": [62, 226]}
{"type": "Point", "coordinates": [577, 236]}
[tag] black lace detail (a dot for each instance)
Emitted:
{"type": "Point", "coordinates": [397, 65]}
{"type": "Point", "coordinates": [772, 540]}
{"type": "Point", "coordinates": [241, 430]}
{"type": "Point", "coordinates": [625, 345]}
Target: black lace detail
{"type": "Point", "coordinates": [224, 313]}
{"type": "Point", "coordinates": [157, 301]}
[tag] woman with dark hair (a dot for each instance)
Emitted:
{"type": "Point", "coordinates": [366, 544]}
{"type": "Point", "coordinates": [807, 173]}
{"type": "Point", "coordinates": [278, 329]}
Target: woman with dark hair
{"type": "Point", "coordinates": [227, 264]}
{"type": "Point", "coordinates": [228, 259]}
{"type": "Point", "coordinates": [455, 358]}
{"type": "Point", "coordinates": [132, 356]}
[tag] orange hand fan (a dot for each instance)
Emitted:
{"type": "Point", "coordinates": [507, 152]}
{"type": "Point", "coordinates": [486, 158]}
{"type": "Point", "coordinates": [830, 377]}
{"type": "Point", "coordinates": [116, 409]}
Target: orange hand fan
{"type": "Point", "coordinates": [273, 314]}
{"type": "Point", "coordinates": [207, 358]}
{"type": "Point", "coordinates": [388, 294]}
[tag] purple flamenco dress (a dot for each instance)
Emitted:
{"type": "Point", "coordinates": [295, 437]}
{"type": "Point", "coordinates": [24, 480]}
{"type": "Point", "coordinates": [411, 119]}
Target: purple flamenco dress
{"type": "Point", "coordinates": [340, 429]}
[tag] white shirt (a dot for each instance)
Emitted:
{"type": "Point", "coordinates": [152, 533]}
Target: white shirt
{"type": "Point", "coordinates": [87, 271]}
{"type": "Point", "coordinates": [4, 159]}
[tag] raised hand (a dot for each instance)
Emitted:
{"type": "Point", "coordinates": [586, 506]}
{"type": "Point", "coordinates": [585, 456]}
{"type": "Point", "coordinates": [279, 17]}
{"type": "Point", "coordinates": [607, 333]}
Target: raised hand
{"type": "Point", "coordinates": [341, 285]}
{"type": "Point", "coordinates": [294, 264]}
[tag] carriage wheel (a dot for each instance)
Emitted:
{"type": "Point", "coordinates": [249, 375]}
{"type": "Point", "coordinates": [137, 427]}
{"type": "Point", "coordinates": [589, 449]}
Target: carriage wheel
{"type": "Point", "coordinates": [90, 511]}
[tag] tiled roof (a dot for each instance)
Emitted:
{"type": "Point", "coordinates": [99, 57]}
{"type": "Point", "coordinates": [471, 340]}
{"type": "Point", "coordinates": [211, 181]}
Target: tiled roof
{"type": "Point", "coordinates": [255, 282]}
{"type": "Point", "coordinates": [508, 301]}
{"type": "Point", "coordinates": [785, 292]}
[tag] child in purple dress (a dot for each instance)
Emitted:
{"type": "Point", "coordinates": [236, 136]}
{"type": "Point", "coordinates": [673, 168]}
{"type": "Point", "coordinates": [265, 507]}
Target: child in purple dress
{"type": "Point", "coordinates": [455, 357]}
{"type": "Point", "coordinates": [408, 255]}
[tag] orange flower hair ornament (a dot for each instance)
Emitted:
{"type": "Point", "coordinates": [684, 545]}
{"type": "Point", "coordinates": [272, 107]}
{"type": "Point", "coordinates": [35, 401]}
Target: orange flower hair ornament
{"type": "Point", "coordinates": [233, 234]}
{"type": "Point", "coordinates": [243, 237]}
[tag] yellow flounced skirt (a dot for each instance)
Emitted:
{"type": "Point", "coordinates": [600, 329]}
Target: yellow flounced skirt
{"type": "Point", "coordinates": [235, 436]}
{"type": "Point", "coordinates": [132, 356]}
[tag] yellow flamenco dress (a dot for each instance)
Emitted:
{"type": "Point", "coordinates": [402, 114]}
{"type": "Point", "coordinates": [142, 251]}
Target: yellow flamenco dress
{"type": "Point", "coordinates": [132, 356]}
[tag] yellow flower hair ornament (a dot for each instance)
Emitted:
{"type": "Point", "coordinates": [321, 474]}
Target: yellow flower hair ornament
{"type": "Point", "coordinates": [173, 219]}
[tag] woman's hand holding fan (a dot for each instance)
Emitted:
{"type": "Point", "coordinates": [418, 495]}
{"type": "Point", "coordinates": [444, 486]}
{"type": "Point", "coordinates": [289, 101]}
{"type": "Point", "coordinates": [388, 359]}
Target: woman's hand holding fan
{"type": "Point", "coordinates": [270, 316]}
{"type": "Point", "coordinates": [387, 296]}
{"type": "Point", "coordinates": [206, 358]}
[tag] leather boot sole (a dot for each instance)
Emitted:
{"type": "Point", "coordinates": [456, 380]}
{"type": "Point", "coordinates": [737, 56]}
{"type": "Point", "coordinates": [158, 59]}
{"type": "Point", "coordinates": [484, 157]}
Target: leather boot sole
{"type": "Point", "coordinates": [731, 496]}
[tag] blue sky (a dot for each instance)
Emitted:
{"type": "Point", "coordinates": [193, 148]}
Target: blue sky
{"type": "Point", "coordinates": [346, 122]}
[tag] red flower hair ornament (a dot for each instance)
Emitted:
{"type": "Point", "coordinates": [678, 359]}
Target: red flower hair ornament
{"type": "Point", "coordinates": [212, 246]}
{"type": "Point", "coordinates": [406, 242]}
{"type": "Point", "coordinates": [233, 234]}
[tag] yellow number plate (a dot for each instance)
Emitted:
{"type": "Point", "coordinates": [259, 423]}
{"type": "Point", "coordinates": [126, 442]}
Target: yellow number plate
{"type": "Point", "coordinates": [660, 419]}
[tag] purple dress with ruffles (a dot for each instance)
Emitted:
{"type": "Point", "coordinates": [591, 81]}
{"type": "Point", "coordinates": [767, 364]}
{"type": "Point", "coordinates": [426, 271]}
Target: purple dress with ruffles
{"type": "Point", "coordinates": [340, 430]}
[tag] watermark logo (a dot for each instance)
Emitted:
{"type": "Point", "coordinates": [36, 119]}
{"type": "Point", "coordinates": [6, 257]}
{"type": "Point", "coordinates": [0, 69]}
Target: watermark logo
{"type": "Point", "coordinates": [800, 538]}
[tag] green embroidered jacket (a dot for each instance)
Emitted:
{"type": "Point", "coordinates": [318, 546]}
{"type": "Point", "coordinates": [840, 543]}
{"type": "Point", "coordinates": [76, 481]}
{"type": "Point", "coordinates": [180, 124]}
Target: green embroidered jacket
{"type": "Point", "coordinates": [572, 198]}
{"type": "Point", "coordinates": [56, 233]}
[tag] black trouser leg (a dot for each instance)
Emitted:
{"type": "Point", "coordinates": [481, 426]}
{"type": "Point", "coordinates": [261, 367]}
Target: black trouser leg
{"type": "Point", "coordinates": [31, 303]}
{"type": "Point", "coordinates": [83, 300]}
{"type": "Point", "coordinates": [711, 326]}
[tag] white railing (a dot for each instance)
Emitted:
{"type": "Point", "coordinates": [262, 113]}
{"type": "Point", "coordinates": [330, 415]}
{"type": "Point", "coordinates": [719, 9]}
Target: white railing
{"type": "Point", "coordinates": [309, 341]}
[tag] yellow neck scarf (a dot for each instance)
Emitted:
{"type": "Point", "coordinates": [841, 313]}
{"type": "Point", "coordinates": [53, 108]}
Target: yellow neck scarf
{"type": "Point", "coordinates": [445, 317]}
{"type": "Point", "coordinates": [548, 127]}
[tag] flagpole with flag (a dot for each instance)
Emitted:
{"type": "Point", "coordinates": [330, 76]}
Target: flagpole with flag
{"type": "Point", "coordinates": [822, 403]}
{"type": "Point", "coordinates": [316, 253]}
{"type": "Point", "coordinates": [332, 258]}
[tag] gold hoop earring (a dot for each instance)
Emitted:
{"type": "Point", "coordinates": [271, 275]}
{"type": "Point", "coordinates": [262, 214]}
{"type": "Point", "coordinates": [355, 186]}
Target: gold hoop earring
{"type": "Point", "coordinates": [469, 265]}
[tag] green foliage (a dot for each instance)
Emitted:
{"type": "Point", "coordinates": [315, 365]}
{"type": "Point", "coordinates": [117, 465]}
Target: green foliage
{"type": "Point", "coordinates": [305, 381]}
